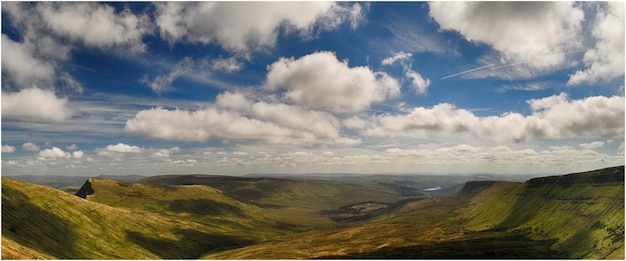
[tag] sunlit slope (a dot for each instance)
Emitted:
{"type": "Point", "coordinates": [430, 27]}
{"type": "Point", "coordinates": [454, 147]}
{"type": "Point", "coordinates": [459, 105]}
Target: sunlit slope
{"type": "Point", "coordinates": [41, 222]}
{"type": "Point", "coordinates": [583, 211]}
{"type": "Point", "coordinates": [291, 204]}
{"type": "Point", "coordinates": [573, 216]}
{"type": "Point", "coordinates": [198, 203]}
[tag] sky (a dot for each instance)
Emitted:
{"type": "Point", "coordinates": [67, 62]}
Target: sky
{"type": "Point", "coordinates": [235, 88]}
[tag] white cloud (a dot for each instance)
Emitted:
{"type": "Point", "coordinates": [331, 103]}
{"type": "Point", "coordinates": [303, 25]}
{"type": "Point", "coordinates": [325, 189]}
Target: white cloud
{"type": "Point", "coordinates": [29, 146]}
{"type": "Point", "coordinates": [592, 145]}
{"type": "Point", "coordinates": [419, 83]}
{"type": "Point", "coordinates": [53, 153]}
{"type": "Point", "coordinates": [8, 149]}
{"type": "Point", "coordinates": [557, 117]}
{"type": "Point", "coordinates": [196, 70]}
{"type": "Point", "coordinates": [123, 148]}
{"type": "Point", "coordinates": [203, 125]}
{"type": "Point", "coordinates": [20, 65]}
{"type": "Point", "coordinates": [35, 103]}
{"type": "Point", "coordinates": [319, 80]}
{"type": "Point", "coordinates": [605, 61]}
{"type": "Point", "coordinates": [354, 122]}
{"type": "Point", "coordinates": [228, 65]}
{"type": "Point", "coordinates": [77, 154]}
{"type": "Point", "coordinates": [251, 26]}
{"type": "Point", "coordinates": [421, 122]}
{"type": "Point", "coordinates": [343, 141]}
{"type": "Point", "coordinates": [234, 101]}
{"type": "Point", "coordinates": [261, 122]}
{"type": "Point", "coordinates": [71, 147]}
{"type": "Point", "coordinates": [399, 56]}
{"type": "Point", "coordinates": [537, 33]}
{"type": "Point", "coordinates": [50, 31]}
{"type": "Point", "coordinates": [96, 25]}
{"type": "Point", "coordinates": [321, 125]}
{"type": "Point", "coordinates": [165, 153]}
{"type": "Point", "coordinates": [554, 117]}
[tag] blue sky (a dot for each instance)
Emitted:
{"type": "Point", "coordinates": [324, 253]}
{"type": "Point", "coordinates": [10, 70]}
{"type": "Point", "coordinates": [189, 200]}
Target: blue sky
{"type": "Point", "coordinates": [297, 87]}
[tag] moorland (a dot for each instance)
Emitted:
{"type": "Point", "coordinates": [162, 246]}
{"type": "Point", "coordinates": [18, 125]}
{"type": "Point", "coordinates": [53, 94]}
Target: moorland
{"type": "Point", "coordinates": [572, 216]}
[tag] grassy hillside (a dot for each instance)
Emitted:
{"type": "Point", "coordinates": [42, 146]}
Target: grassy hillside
{"type": "Point", "coordinates": [291, 204]}
{"type": "Point", "coordinates": [197, 216]}
{"type": "Point", "coordinates": [572, 216]}
{"type": "Point", "coordinates": [41, 222]}
{"type": "Point", "coordinates": [584, 212]}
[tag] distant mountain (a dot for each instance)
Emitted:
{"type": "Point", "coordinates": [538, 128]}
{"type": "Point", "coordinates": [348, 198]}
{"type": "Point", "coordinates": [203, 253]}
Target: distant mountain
{"type": "Point", "coordinates": [576, 216]}
{"type": "Point", "coordinates": [56, 181]}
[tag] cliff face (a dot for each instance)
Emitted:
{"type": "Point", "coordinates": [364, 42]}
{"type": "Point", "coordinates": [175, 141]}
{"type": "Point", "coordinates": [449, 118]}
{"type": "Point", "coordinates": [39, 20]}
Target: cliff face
{"type": "Point", "coordinates": [584, 212]}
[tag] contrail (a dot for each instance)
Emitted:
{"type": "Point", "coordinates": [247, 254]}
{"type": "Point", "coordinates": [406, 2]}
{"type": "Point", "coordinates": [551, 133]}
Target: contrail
{"type": "Point", "coordinates": [468, 71]}
{"type": "Point", "coordinates": [507, 65]}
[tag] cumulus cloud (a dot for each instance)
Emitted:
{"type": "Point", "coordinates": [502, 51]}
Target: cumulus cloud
{"type": "Point", "coordinates": [592, 145]}
{"type": "Point", "coordinates": [8, 149]}
{"type": "Point", "coordinates": [418, 82]}
{"type": "Point", "coordinates": [22, 67]}
{"type": "Point", "coordinates": [52, 153]}
{"type": "Point", "coordinates": [35, 103]}
{"type": "Point", "coordinates": [123, 148]}
{"type": "Point", "coordinates": [57, 153]}
{"type": "Point", "coordinates": [71, 147]}
{"type": "Point", "coordinates": [321, 125]}
{"type": "Point", "coordinates": [354, 122]}
{"type": "Point", "coordinates": [165, 153]}
{"type": "Point", "coordinates": [343, 141]}
{"type": "Point", "coordinates": [421, 122]}
{"type": "Point", "coordinates": [77, 154]}
{"type": "Point", "coordinates": [29, 146]}
{"type": "Point", "coordinates": [498, 155]}
{"type": "Point", "coordinates": [251, 26]}
{"type": "Point", "coordinates": [537, 33]}
{"type": "Point", "coordinates": [605, 61]}
{"type": "Point", "coordinates": [96, 25]}
{"type": "Point", "coordinates": [554, 117]}
{"type": "Point", "coordinates": [50, 31]}
{"type": "Point", "coordinates": [203, 125]}
{"type": "Point", "coordinates": [234, 101]}
{"type": "Point", "coordinates": [261, 122]}
{"type": "Point", "coordinates": [319, 80]}
{"type": "Point", "coordinates": [558, 117]}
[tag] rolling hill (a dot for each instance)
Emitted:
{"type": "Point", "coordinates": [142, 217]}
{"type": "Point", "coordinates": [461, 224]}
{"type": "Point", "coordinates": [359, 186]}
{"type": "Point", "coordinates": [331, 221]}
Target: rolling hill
{"type": "Point", "coordinates": [577, 215]}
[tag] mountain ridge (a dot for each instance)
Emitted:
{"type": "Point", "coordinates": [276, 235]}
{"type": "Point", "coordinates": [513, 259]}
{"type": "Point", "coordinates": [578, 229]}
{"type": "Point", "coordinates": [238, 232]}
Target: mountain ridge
{"type": "Point", "coordinates": [577, 215]}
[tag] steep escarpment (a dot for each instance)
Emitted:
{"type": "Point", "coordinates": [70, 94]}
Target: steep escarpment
{"type": "Point", "coordinates": [584, 212]}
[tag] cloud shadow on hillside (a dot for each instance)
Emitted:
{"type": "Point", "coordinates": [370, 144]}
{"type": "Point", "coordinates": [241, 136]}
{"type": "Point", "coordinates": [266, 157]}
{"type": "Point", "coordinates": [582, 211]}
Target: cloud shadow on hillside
{"type": "Point", "coordinates": [191, 245]}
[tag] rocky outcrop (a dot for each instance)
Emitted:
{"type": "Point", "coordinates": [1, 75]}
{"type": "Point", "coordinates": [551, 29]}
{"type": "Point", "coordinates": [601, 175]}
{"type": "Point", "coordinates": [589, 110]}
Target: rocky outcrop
{"type": "Point", "coordinates": [85, 190]}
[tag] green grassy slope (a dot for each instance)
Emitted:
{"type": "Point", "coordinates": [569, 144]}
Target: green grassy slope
{"type": "Point", "coordinates": [41, 222]}
{"type": "Point", "coordinates": [583, 211]}
{"type": "Point", "coordinates": [572, 216]}
{"type": "Point", "coordinates": [292, 204]}
{"type": "Point", "coordinates": [197, 216]}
